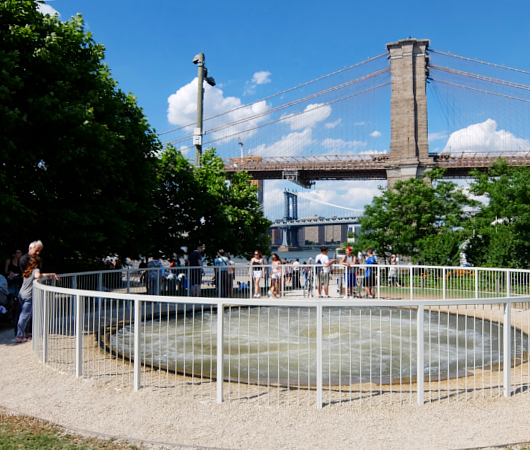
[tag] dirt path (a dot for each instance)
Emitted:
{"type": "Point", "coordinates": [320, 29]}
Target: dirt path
{"type": "Point", "coordinates": [30, 388]}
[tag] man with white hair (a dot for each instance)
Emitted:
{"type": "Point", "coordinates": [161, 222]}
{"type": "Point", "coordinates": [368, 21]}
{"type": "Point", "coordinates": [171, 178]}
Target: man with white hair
{"type": "Point", "coordinates": [34, 250]}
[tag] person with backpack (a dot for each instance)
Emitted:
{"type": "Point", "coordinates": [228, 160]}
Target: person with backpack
{"type": "Point", "coordinates": [221, 274]}
{"type": "Point", "coordinates": [369, 280]}
{"type": "Point", "coordinates": [323, 268]}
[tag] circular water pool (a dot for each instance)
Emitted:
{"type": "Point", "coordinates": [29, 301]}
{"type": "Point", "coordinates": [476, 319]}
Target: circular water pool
{"type": "Point", "coordinates": [278, 345]}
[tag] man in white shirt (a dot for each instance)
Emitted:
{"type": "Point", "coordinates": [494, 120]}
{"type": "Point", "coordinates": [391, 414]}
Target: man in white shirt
{"type": "Point", "coordinates": [323, 264]}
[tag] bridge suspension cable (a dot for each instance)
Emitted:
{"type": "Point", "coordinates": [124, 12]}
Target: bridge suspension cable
{"type": "Point", "coordinates": [304, 195]}
{"type": "Point", "coordinates": [481, 90]}
{"type": "Point", "coordinates": [482, 78]}
{"type": "Point", "coordinates": [279, 93]}
{"type": "Point", "coordinates": [479, 62]}
{"type": "Point", "coordinates": [282, 119]}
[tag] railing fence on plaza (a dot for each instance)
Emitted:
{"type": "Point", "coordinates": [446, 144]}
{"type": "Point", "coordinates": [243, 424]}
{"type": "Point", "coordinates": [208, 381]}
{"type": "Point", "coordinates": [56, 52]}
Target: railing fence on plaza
{"type": "Point", "coordinates": [429, 333]}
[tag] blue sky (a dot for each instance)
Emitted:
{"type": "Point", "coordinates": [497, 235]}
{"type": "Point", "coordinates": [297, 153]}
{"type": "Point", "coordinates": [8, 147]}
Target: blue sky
{"type": "Point", "coordinates": [256, 49]}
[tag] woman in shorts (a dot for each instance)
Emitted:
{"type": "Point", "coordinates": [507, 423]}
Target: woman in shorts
{"type": "Point", "coordinates": [256, 268]}
{"type": "Point", "coordinates": [276, 276]}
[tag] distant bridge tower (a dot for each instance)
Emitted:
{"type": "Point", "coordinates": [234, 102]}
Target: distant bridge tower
{"type": "Point", "coordinates": [290, 212]}
{"type": "Point", "coordinates": [409, 146]}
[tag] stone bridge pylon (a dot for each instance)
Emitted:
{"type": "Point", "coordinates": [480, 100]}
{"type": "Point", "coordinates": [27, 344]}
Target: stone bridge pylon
{"type": "Point", "coordinates": [409, 145]}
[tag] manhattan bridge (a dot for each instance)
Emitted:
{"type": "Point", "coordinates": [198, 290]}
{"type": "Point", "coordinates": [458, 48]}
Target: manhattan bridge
{"type": "Point", "coordinates": [370, 121]}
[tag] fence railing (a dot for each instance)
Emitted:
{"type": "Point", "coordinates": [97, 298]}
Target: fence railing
{"type": "Point", "coordinates": [428, 333]}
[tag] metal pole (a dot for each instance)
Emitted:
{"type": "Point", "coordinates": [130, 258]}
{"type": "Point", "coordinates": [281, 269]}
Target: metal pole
{"type": "Point", "coordinates": [319, 356]}
{"type": "Point", "coordinates": [137, 352]}
{"type": "Point", "coordinates": [45, 327]}
{"type": "Point", "coordinates": [128, 280]}
{"type": "Point", "coordinates": [200, 98]}
{"type": "Point", "coordinates": [507, 349]}
{"type": "Point", "coordinates": [79, 324]}
{"type": "Point", "coordinates": [420, 357]}
{"type": "Point", "coordinates": [220, 351]}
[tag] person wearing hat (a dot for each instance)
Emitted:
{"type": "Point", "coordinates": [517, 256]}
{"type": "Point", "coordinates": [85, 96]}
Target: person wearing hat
{"type": "Point", "coordinates": [350, 260]}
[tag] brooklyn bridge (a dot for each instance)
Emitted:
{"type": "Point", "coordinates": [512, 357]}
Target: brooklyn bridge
{"type": "Point", "coordinates": [371, 121]}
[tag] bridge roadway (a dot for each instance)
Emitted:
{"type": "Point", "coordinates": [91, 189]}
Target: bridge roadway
{"type": "Point", "coordinates": [315, 221]}
{"type": "Point", "coordinates": [306, 169]}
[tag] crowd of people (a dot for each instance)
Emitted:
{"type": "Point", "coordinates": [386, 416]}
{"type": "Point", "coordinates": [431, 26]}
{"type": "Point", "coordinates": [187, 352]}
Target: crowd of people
{"type": "Point", "coordinates": [16, 285]}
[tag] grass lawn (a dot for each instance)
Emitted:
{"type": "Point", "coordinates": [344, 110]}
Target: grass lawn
{"type": "Point", "coordinates": [22, 432]}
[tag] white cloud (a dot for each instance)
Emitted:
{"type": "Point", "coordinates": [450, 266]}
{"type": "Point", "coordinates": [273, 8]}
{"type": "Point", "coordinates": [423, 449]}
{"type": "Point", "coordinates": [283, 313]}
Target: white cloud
{"type": "Point", "coordinates": [333, 124]}
{"type": "Point", "coordinates": [373, 152]}
{"type": "Point", "coordinates": [359, 123]}
{"type": "Point", "coordinates": [484, 137]}
{"type": "Point", "coordinates": [182, 110]}
{"type": "Point", "coordinates": [340, 144]}
{"type": "Point", "coordinates": [375, 134]}
{"type": "Point", "coordinates": [438, 136]}
{"type": "Point", "coordinates": [47, 9]}
{"type": "Point", "coordinates": [261, 77]}
{"type": "Point", "coordinates": [312, 114]}
{"type": "Point", "coordinates": [291, 144]}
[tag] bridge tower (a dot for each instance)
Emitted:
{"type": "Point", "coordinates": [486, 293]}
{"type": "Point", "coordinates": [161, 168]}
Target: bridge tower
{"type": "Point", "coordinates": [290, 212]}
{"type": "Point", "coordinates": [409, 146]}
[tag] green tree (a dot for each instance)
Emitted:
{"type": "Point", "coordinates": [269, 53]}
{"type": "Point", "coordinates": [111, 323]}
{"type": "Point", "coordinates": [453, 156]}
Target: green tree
{"type": "Point", "coordinates": [416, 217]}
{"type": "Point", "coordinates": [500, 231]}
{"type": "Point", "coordinates": [77, 155]}
{"type": "Point", "coordinates": [200, 205]}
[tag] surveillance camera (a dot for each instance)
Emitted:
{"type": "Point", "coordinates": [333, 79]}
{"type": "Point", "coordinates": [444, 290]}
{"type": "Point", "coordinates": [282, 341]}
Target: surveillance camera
{"type": "Point", "coordinates": [210, 81]}
{"type": "Point", "coordinates": [197, 59]}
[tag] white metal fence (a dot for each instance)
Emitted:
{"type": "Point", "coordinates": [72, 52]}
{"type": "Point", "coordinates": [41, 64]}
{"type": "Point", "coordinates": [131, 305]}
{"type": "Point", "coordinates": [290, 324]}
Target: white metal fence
{"type": "Point", "coordinates": [430, 333]}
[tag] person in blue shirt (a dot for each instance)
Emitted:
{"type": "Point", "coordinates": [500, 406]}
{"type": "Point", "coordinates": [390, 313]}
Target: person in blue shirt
{"type": "Point", "coordinates": [369, 280]}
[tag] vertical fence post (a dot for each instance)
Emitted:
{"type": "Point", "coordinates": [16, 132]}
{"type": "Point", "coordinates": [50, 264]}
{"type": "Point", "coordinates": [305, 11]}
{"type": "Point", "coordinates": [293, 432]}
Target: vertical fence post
{"type": "Point", "coordinates": [74, 282]}
{"type": "Point", "coordinates": [507, 349]}
{"type": "Point", "coordinates": [508, 283]}
{"type": "Point", "coordinates": [79, 326]}
{"type": "Point", "coordinates": [319, 356]}
{"type": "Point", "coordinates": [420, 356]}
{"type": "Point", "coordinates": [411, 283]}
{"type": "Point", "coordinates": [476, 283]}
{"type": "Point", "coordinates": [45, 326]}
{"type": "Point", "coordinates": [137, 350]}
{"type": "Point", "coordinates": [100, 282]}
{"type": "Point", "coordinates": [220, 351]}
{"type": "Point", "coordinates": [128, 280]}
{"type": "Point", "coordinates": [158, 275]}
{"type": "Point", "coordinates": [378, 282]}
{"type": "Point", "coordinates": [443, 284]}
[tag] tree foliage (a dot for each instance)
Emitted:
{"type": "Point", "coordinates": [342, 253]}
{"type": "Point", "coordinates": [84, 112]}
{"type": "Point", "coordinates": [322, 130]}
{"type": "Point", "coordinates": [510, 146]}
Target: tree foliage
{"type": "Point", "coordinates": [417, 218]}
{"type": "Point", "coordinates": [200, 205]}
{"type": "Point", "coordinates": [501, 229]}
{"type": "Point", "coordinates": [77, 155]}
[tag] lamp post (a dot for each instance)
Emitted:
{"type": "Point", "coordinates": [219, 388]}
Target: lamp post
{"type": "Point", "coordinates": [203, 75]}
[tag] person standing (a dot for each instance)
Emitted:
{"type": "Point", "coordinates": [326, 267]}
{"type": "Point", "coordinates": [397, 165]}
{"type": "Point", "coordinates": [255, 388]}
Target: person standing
{"type": "Point", "coordinates": [35, 249]}
{"type": "Point", "coordinates": [31, 273]}
{"type": "Point", "coordinates": [369, 280]}
{"type": "Point", "coordinates": [392, 273]}
{"type": "Point", "coordinates": [154, 275]}
{"type": "Point", "coordinates": [195, 260]}
{"type": "Point", "coordinates": [276, 276]}
{"type": "Point", "coordinates": [221, 274]}
{"type": "Point", "coordinates": [257, 272]}
{"type": "Point", "coordinates": [323, 261]}
{"type": "Point", "coordinates": [296, 274]}
{"type": "Point", "coordinates": [13, 273]}
{"type": "Point", "coordinates": [349, 260]}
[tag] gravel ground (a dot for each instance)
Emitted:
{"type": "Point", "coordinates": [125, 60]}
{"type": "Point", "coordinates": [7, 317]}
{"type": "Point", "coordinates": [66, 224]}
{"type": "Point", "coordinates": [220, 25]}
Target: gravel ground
{"type": "Point", "coordinates": [30, 388]}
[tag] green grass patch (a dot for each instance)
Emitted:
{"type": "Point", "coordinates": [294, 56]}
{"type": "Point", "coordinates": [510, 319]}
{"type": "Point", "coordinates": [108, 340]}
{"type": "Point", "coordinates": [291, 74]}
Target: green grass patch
{"type": "Point", "coordinates": [22, 432]}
